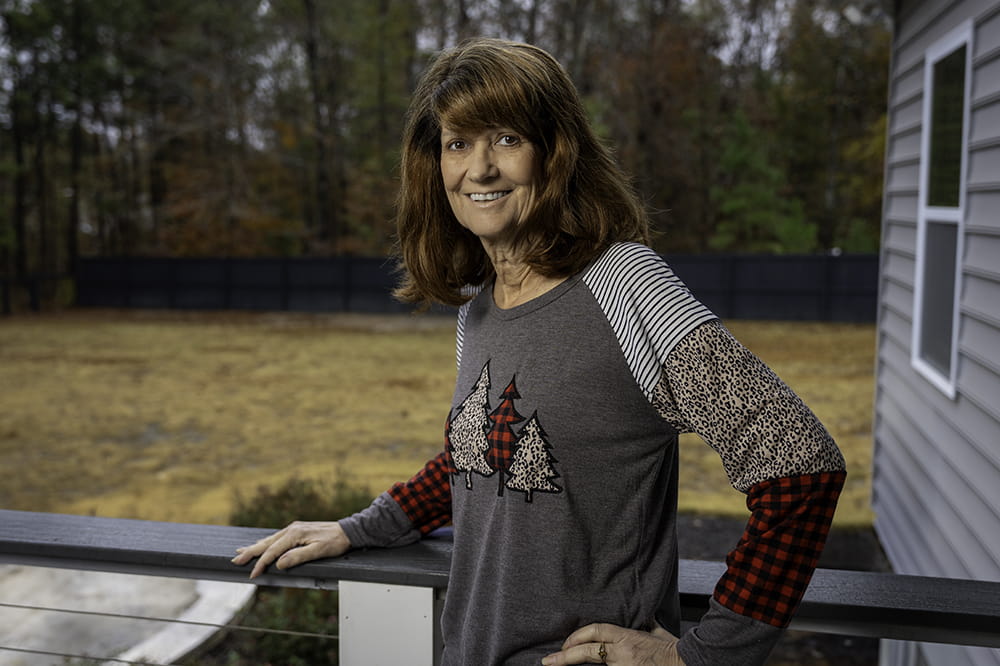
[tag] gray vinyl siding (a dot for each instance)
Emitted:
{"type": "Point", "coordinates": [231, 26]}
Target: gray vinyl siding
{"type": "Point", "coordinates": [936, 468]}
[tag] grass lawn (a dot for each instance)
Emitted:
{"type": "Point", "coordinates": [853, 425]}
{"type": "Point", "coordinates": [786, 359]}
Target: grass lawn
{"type": "Point", "coordinates": [167, 415]}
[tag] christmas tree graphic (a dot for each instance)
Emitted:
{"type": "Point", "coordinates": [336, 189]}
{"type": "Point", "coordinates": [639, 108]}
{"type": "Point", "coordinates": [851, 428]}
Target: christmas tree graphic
{"type": "Point", "coordinates": [531, 468]}
{"type": "Point", "coordinates": [501, 436]}
{"type": "Point", "coordinates": [466, 433]}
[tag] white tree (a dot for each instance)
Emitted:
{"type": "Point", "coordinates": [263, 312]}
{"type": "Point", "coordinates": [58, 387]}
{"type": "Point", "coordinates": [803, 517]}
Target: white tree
{"type": "Point", "coordinates": [468, 428]}
{"type": "Point", "coordinates": [532, 467]}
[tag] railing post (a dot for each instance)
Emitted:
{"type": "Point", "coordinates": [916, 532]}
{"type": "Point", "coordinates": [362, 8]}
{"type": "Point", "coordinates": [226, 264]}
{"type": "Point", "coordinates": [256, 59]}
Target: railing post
{"type": "Point", "coordinates": [388, 624]}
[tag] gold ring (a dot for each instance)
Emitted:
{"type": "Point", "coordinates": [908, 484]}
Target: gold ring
{"type": "Point", "coordinates": [603, 654]}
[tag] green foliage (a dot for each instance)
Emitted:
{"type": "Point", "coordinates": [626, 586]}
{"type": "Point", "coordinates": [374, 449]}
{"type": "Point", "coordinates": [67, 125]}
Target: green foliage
{"type": "Point", "coordinates": [832, 68]}
{"type": "Point", "coordinates": [862, 188]}
{"type": "Point", "coordinates": [289, 609]}
{"type": "Point", "coordinates": [755, 214]}
{"type": "Point", "coordinates": [860, 236]}
{"type": "Point", "coordinates": [282, 609]}
{"type": "Point", "coordinates": [207, 129]}
{"type": "Point", "coordinates": [299, 499]}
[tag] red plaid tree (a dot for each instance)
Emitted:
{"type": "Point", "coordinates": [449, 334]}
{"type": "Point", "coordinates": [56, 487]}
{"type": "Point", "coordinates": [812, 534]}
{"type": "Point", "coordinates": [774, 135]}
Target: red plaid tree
{"type": "Point", "coordinates": [501, 436]}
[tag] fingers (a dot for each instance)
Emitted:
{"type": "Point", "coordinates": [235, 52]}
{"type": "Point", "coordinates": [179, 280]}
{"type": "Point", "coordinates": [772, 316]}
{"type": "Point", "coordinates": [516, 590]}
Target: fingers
{"type": "Point", "coordinates": [609, 633]}
{"type": "Point", "coordinates": [258, 549]}
{"type": "Point", "coordinates": [611, 644]}
{"type": "Point", "coordinates": [297, 543]}
{"type": "Point", "coordinates": [273, 549]}
{"type": "Point", "coordinates": [593, 633]}
{"type": "Point", "coordinates": [584, 646]}
{"type": "Point", "coordinates": [301, 554]}
{"type": "Point", "coordinates": [247, 553]}
{"type": "Point", "coordinates": [586, 653]}
{"type": "Point", "coordinates": [273, 552]}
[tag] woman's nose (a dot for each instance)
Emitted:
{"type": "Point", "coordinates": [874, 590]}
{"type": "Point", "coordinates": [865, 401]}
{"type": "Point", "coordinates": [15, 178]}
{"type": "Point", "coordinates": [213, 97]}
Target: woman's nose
{"type": "Point", "coordinates": [482, 165]}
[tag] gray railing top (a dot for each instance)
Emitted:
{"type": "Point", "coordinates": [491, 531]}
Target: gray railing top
{"type": "Point", "coordinates": [200, 551]}
{"type": "Point", "coordinates": [844, 602]}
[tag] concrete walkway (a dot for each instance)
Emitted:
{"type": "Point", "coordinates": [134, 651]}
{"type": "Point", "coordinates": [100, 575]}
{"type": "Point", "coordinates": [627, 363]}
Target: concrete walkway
{"type": "Point", "coordinates": [98, 637]}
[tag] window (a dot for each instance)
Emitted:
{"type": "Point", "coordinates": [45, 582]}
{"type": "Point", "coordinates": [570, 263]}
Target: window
{"type": "Point", "coordinates": [947, 76]}
{"type": "Point", "coordinates": [947, 120]}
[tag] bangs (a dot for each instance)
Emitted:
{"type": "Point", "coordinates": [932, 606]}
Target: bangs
{"type": "Point", "coordinates": [473, 101]}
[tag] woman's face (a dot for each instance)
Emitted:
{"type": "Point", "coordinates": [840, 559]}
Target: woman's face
{"type": "Point", "coordinates": [489, 177]}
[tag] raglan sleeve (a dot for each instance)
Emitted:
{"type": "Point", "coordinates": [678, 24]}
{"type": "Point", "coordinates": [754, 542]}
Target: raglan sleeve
{"type": "Point", "coordinates": [774, 450]}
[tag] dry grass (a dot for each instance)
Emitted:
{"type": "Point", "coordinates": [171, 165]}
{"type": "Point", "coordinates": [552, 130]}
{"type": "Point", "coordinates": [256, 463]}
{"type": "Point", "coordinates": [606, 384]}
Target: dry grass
{"type": "Point", "coordinates": [166, 415]}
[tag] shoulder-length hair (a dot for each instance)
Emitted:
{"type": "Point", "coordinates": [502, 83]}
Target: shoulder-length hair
{"type": "Point", "coordinates": [584, 202]}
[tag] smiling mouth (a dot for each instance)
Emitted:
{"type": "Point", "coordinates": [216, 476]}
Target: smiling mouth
{"type": "Point", "coordinates": [488, 196]}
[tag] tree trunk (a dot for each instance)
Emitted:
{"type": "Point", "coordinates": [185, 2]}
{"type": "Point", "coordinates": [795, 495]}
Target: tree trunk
{"type": "Point", "coordinates": [381, 89]}
{"type": "Point", "coordinates": [531, 33]}
{"type": "Point", "coordinates": [19, 132]}
{"type": "Point", "coordinates": [326, 220]}
{"type": "Point", "coordinates": [463, 26]}
{"type": "Point", "coordinates": [40, 127]}
{"type": "Point", "coordinates": [76, 144]}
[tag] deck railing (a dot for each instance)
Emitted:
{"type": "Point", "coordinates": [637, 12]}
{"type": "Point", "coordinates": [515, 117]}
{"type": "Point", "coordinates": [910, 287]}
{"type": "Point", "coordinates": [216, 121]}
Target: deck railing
{"type": "Point", "coordinates": [398, 592]}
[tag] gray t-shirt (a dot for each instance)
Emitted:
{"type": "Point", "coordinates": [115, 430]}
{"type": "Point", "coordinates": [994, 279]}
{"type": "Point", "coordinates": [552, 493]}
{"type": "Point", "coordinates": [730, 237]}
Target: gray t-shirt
{"type": "Point", "coordinates": [563, 470]}
{"type": "Point", "coordinates": [573, 521]}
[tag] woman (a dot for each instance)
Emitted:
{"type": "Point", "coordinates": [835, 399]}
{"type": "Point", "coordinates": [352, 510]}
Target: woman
{"type": "Point", "coordinates": [581, 357]}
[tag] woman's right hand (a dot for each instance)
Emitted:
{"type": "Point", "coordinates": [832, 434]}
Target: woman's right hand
{"type": "Point", "coordinates": [299, 542]}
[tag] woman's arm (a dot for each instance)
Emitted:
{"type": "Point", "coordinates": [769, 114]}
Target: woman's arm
{"type": "Point", "coordinates": [775, 450]}
{"type": "Point", "coordinates": [426, 498]}
{"type": "Point", "coordinates": [397, 517]}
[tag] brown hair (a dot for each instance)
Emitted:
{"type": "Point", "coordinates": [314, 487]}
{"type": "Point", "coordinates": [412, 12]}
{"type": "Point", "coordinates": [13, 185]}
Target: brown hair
{"type": "Point", "coordinates": [584, 201]}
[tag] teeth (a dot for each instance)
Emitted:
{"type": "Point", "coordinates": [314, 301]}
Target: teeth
{"type": "Point", "coordinates": [490, 196]}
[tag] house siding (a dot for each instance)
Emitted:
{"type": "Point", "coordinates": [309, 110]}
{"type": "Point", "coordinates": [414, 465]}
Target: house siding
{"type": "Point", "coordinates": [936, 465]}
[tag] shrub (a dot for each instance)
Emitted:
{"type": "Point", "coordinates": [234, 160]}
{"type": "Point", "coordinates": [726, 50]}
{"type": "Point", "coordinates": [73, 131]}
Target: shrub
{"type": "Point", "coordinates": [299, 499]}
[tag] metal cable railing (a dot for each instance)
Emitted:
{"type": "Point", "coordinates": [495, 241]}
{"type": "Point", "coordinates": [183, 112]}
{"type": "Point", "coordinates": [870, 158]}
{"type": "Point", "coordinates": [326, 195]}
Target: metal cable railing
{"type": "Point", "coordinates": [169, 620]}
{"type": "Point", "coordinates": [73, 657]}
{"type": "Point", "coordinates": [215, 627]}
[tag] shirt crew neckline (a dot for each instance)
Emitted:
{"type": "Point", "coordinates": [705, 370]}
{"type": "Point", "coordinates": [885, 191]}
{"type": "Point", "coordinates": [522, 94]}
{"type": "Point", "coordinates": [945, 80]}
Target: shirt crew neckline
{"type": "Point", "coordinates": [534, 304]}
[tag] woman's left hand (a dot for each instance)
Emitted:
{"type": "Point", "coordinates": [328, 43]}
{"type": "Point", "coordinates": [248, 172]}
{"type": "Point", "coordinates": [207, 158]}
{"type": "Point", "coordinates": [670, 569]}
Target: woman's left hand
{"type": "Point", "coordinates": [611, 644]}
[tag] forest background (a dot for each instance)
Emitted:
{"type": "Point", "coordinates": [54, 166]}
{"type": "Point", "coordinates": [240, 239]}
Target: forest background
{"type": "Point", "coordinates": [271, 127]}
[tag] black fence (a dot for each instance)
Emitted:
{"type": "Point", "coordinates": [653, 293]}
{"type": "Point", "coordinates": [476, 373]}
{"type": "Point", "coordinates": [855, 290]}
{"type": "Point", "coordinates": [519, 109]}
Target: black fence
{"type": "Point", "coordinates": [783, 287]}
{"type": "Point", "coordinates": [335, 284]}
{"type": "Point", "coordinates": [800, 287]}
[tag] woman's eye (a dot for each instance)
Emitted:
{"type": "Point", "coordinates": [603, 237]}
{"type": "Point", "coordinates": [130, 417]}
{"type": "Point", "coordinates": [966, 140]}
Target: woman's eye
{"type": "Point", "coordinates": [509, 140]}
{"type": "Point", "coordinates": [457, 144]}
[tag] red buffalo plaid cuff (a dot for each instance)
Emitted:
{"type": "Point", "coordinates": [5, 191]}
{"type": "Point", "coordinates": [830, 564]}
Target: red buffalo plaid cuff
{"type": "Point", "coordinates": [426, 498]}
{"type": "Point", "coordinates": [770, 568]}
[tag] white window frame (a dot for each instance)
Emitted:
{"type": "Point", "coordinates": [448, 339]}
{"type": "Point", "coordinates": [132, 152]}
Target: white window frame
{"type": "Point", "coordinates": [955, 39]}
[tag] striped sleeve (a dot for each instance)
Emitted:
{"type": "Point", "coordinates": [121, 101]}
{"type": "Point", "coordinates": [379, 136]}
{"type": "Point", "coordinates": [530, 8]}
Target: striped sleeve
{"type": "Point", "coordinates": [647, 305]}
{"type": "Point", "coordinates": [460, 334]}
{"type": "Point", "coordinates": [469, 292]}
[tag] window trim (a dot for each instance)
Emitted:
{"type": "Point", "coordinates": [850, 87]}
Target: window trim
{"type": "Point", "coordinates": [959, 36]}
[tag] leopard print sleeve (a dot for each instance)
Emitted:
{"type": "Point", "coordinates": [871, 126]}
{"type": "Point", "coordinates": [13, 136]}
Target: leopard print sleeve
{"type": "Point", "coordinates": [776, 451]}
{"type": "Point", "coordinates": [714, 386]}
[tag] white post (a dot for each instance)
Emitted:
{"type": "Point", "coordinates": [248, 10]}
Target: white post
{"type": "Point", "coordinates": [387, 625]}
